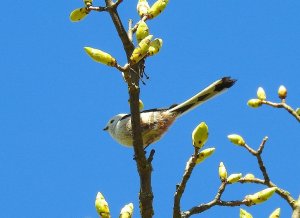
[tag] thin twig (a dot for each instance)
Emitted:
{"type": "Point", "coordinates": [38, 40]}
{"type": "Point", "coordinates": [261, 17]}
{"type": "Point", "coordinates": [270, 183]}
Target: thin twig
{"type": "Point", "coordinates": [129, 32]}
{"type": "Point", "coordinates": [116, 4]}
{"type": "Point", "coordinates": [97, 8]}
{"type": "Point", "coordinates": [215, 202]}
{"type": "Point", "coordinates": [181, 186]}
{"type": "Point", "coordinates": [285, 106]}
{"type": "Point", "coordinates": [283, 193]}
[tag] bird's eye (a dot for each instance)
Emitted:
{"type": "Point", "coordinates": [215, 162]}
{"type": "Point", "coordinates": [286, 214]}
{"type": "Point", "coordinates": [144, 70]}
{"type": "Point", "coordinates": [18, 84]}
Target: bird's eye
{"type": "Point", "coordinates": [112, 121]}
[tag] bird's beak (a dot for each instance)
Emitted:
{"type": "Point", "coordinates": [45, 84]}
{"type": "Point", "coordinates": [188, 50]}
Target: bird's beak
{"type": "Point", "coordinates": [106, 128]}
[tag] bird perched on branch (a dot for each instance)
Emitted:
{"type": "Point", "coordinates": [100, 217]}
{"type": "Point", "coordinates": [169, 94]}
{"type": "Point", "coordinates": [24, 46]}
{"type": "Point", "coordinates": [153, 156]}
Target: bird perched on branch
{"type": "Point", "coordinates": [155, 122]}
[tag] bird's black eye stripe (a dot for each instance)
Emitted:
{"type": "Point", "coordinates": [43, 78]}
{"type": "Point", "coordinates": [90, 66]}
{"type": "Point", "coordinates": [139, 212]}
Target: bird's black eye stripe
{"type": "Point", "coordinates": [112, 121]}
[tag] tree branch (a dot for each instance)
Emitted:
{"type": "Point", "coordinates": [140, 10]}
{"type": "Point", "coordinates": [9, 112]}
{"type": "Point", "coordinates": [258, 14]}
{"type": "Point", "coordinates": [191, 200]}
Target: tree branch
{"type": "Point", "coordinates": [181, 186]}
{"type": "Point", "coordinates": [143, 165]}
{"type": "Point", "coordinates": [285, 106]}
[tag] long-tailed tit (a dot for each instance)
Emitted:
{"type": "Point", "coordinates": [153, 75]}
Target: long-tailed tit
{"type": "Point", "coordinates": [155, 122]}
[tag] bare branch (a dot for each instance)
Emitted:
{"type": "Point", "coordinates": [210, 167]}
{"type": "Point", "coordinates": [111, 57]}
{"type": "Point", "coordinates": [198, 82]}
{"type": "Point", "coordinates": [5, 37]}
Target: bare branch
{"type": "Point", "coordinates": [216, 202]}
{"type": "Point", "coordinates": [285, 106]}
{"type": "Point", "coordinates": [181, 186]}
{"type": "Point", "coordinates": [143, 165]}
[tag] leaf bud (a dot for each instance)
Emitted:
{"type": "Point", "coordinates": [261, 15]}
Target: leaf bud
{"type": "Point", "coordinates": [126, 211]}
{"type": "Point", "coordinates": [234, 178]}
{"type": "Point", "coordinates": [282, 92]}
{"type": "Point", "coordinates": [261, 94]}
{"type": "Point", "coordinates": [102, 206]}
{"type": "Point", "coordinates": [245, 214]}
{"type": "Point", "coordinates": [222, 172]}
{"type": "Point", "coordinates": [200, 135]}
{"type": "Point", "coordinates": [142, 31]}
{"type": "Point", "coordinates": [88, 2]}
{"type": "Point", "coordinates": [101, 56]}
{"type": "Point", "coordinates": [204, 154]}
{"type": "Point", "coordinates": [78, 14]}
{"type": "Point", "coordinates": [254, 103]}
{"type": "Point", "coordinates": [236, 139]}
{"type": "Point", "coordinates": [275, 213]}
{"type": "Point", "coordinates": [260, 196]}
{"type": "Point", "coordinates": [142, 7]}
{"type": "Point", "coordinates": [157, 8]}
{"type": "Point", "coordinates": [141, 50]}
{"type": "Point", "coordinates": [155, 46]}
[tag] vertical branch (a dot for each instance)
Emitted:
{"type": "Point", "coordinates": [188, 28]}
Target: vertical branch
{"type": "Point", "coordinates": [143, 165]}
{"type": "Point", "coordinates": [181, 187]}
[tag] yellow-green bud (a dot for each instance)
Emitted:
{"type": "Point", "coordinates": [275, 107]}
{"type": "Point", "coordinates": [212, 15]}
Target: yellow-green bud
{"type": "Point", "coordinates": [142, 31]}
{"type": "Point", "coordinates": [142, 7]}
{"type": "Point", "coordinates": [261, 94]}
{"type": "Point", "coordinates": [244, 214]}
{"type": "Point", "coordinates": [88, 2]}
{"type": "Point", "coordinates": [157, 8]}
{"type": "Point", "coordinates": [234, 178]}
{"type": "Point", "coordinates": [275, 214]}
{"type": "Point", "coordinates": [222, 172]}
{"type": "Point", "coordinates": [102, 206]}
{"type": "Point", "coordinates": [254, 103]}
{"type": "Point", "coordinates": [200, 135]}
{"type": "Point", "coordinates": [101, 56]}
{"type": "Point", "coordinates": [282, 92]}
{"type": "Point", "coordinates": [141, 51]}
{"type": "Point", "coordinates": [126, 211]}
{"type": "Point", "coordinates": [78, 14]}
{"type": "Point", "coordinates": [249, 176]}
{"type": "Point", "coordinates": [141, 104]}
{"type": "Point", "coordinates": [155, 46]}
{"type": "Point", "coordinates": [298, 111]}
{"type": "Point", "coordinates": [236, 139]}
{"type": "Point", "coordinates": [260, 197]}
{"type": "Point", "coordinates": [204, 154]}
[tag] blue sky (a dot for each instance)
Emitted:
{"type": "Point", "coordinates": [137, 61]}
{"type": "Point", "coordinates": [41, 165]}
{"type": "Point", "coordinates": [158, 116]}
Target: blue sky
{"type": "Point", "coordinates": [55, 101]}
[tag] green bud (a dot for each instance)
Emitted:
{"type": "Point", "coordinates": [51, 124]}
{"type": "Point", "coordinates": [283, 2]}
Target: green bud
{"type": "Point", "coordinates": [157, 8]}
{"type": "Point", "coordinates": [254, 103]}
{"type": "Point", "coordinates": [236, 139]}
{"type": "Point", "coordinates": [141, 51]}
{"type": "Point", "coordinates": [88, 2]}
{"type": "Point", "coordinates": [298, 111]}
{"type": "Point", "coordinates": [222, 172]}
{"type": "Point", "coordinates": [234, 178]}
{"type": "Point", "coordinates": [142, 31]}
{"type": "Point", "coordinates": [244, 214]}
{"type": "Point", "coordinates": [275, 214]}
{"type": "Point", "coordinates": [78, 14]}
{"type": "Point", "coordinates": [155, 46]}
{"type": "Point", "coordinates": [249, 176]}
{"type": "Point", "coordinates": [261, 196]}
{"type": "Point", "coordinates": [282, 92]}
{"type": "Point", "coordinates": [200, 135]}
{"type": "Point", "coordinates": [102, 206]}
{"type": "Point", "coordinates": [204, 154]}
{"type": "Point", "coordinates": [142, 7]}
{"type": "Point", "coordinates": [101, 56]}
{"type": "Point", "coordinates": [127, 211]}
{"type": "Point", "coordinates": [261, 95]}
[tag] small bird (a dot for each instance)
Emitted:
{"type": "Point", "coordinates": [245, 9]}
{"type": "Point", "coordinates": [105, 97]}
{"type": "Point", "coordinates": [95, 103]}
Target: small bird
{"type": "Point", "coordinates": [155, 122]}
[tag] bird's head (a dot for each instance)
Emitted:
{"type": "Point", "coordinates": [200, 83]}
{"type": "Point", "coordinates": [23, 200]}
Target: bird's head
{"type": "Point", "coordinates": [111, 124]}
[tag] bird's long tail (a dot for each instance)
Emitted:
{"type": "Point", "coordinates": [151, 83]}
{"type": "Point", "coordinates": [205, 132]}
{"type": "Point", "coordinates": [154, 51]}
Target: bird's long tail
{"type": "Point", "coordinates": [209, 92]}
